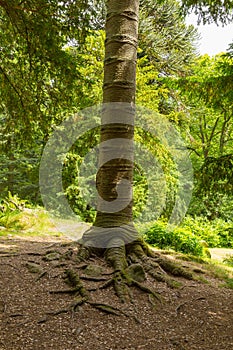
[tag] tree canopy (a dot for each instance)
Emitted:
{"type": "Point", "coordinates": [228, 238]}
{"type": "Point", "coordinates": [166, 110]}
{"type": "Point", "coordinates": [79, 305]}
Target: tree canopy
{"type": "Point", "coordinates": [52, 65]}
{"type": "Point", "coordinates": [219, 11]}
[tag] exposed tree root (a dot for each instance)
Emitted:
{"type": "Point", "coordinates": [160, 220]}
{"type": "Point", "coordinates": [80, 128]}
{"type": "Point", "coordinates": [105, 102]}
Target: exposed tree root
{"type": "Point", "coordinates": [131, 265]}
{"type": "Point", "coordinates": [74, 281]}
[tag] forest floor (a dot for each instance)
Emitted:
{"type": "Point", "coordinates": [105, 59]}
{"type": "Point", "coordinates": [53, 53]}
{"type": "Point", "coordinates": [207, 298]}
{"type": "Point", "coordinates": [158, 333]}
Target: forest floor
{"type": "Point", "coordinates": [196, 316]}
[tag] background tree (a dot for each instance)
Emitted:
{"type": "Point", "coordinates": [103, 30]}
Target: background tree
{"type": "Point", "coordinates": [41, 82]}
{"type": "Point", "coordinates": [164, 38]}
{"type": "Point", "coordinates": [204, 113]}
{"type": "Point", "coordinates": [210, 10]}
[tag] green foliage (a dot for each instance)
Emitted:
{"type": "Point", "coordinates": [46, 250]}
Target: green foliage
{"type": "Point", "coordinates": [12, 203]}
{"type": "Point", "coordinates": [45, 55]}
{"type": "Point", "coordinates": [179, 239]}
{"type": "Point", "coordinates": [147, 84]}
{"type": "Point", "coordinates": [212, 196]}
{"type": "Point", "coordinates": [228, 260]}
{"type": "Point", "coordinates": [194, 236]}
{"type": "Point", "coordinates": [217, 174]}
{"type": "Point", "coordinates": [21, 145]}
{"type": "Point", "coordinates": [206, 98]}
{"type": "Point", "coordinates": [164, 38]}
{"type": "Point", "coordinates": [229, 283]}
{"type": "Point", "coordinates": [202, 103]}
{"type": "Point", "coordinates": [210, 10]}
{"type": "Point", "coordinates": [16, 217]}
{"type": "Point", "coordinates": [10, 211]}
{"type": "Point", "coordinates": [216, 233]}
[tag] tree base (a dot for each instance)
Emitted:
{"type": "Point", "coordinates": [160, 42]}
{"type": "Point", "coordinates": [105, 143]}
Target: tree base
{"type": "Point", "coordinates": [131, 264]}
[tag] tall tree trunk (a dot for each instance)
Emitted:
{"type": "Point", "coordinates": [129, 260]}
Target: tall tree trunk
{"type": "Point", "coordinates": [115, 175]}
{"type": "Point", "coordinates": [121, 51]}
{"type": "Point", "coordinates": [113, 231]}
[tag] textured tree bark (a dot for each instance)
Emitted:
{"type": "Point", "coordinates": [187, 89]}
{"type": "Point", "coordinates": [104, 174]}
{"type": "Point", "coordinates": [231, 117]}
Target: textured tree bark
{"type": "Point", "coordinates": [114, 180]}
{"type": "Point", "coordinates": [118, 114]}
{"type": "Point", "coordinates": [121, 51]}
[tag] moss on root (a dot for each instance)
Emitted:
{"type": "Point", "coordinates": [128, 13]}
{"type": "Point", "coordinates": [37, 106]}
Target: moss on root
{"type": "Point", "coordinates": [130, 265]}
{"type": "Point", "coordinates": [132, 261]}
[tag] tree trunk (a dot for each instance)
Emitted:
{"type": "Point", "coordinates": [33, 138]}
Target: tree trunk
{"type": "Point", "coordinates": [114, 180]}
{"type": "Point", "coordinates": [113, 233]}
{"type": "Point", "coordinates": [121, 51]}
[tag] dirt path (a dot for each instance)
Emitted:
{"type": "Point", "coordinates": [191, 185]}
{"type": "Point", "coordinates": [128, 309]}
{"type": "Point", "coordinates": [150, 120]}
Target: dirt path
{"type": "Point", "coordinates": [220, 253]}
{"type": "Point", "coordinates": [195, 316]}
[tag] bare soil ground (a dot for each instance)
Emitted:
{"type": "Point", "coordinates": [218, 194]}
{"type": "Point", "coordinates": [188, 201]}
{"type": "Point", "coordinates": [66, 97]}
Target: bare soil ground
{"type": "Point", "coordinates": [196, 316]}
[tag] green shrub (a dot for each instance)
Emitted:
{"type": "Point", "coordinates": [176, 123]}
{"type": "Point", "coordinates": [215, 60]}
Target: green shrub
{"type": "Point", "coordinates": [193, 237]}
{"type": "Point", "coordinates": [216, 233]}
{"type": "Point", "coordinates": [186, 242]}
{"type": "Point", "coordinates": [10, 210]}
{"type": "Point", "coordinates": [15, 217]}
{"type": "Point", "coordinates": [228, 260]}
{"type": "Point", "coordinates": [179, 239]}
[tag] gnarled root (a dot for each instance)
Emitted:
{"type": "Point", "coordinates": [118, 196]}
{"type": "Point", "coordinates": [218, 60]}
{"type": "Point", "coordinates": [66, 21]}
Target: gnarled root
{"type": "Point", "coordinates": [132, 261]}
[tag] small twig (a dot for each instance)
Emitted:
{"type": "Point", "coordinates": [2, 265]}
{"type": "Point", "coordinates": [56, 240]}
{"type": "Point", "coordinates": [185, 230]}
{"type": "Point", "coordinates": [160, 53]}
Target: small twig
{"type": "Point", "coordinates": [43, 320]}
{"type": "Point", "coordinates": [108, 308]}
{"type": "Point", "coordinates": [63, 291]}
{"type": "Point", "coordinates": [82, 266]}
{"type": "Point", "coordinates": [180, 306]}
{"type": "Point", "coordinates": [107, 284]}
{"type": "Point", "coordinates": [104, 286]}
{"type": "Point", "coordinates": [17, 315]}
{"type": "Point", "coordinates": [147, 290]}
{"type": "Point", "coordinates": [95, 279]}
{"type": "Point", "coordinates": [41, 275]}
{"type": "Point", "coordinates": [58, 312]}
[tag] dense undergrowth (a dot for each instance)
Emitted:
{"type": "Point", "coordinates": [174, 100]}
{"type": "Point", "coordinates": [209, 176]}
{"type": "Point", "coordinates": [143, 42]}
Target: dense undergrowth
{"type": "Point", "coordinates": [193, 236]}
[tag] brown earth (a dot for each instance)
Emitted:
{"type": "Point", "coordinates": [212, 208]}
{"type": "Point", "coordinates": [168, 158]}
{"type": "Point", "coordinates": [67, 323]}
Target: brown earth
{"type": "Point", "coordinates": [196, 316]}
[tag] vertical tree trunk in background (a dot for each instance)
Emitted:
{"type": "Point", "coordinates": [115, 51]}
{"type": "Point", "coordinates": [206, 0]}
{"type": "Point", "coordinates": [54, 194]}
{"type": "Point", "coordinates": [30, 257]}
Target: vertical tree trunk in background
{"type": "Point", "coordinates": [11, 167]}
{"type": "Point", "coordinates": [118, 109]}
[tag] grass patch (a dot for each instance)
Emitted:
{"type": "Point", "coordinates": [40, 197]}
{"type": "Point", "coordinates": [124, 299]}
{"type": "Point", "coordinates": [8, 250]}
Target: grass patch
{"type": "Point", "coordinates": [229, 283]}
{"type": "Point", "coordinates": [223, 273]}
{"type": "Point", "coordinates": [228, 260]}
{"type": "Point", "coordinates": [27, 222]}
{"type": "Point", "coordinates": [208, 267]}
